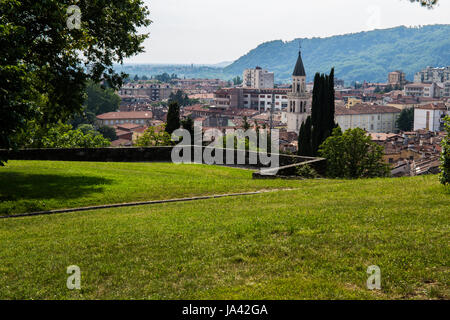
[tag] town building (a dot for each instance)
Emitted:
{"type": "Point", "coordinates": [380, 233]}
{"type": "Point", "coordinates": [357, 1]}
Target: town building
{"type": "Point", "coordinates": [371, 118]}
{"type": "Point", "coordinates": [397, 78]}
{"type": "Point", "coordinates": [255, 99]}
{"type": "Point", "coordinates": [421, 90]}
{"type": "Point", "coordinates": [262, 100]}
{"type": "Point", "coordinates": [430, 117]}
{"type": "Point", "coordinates": [299, 101]}
{"type": "Point", "coordinates": [258, 78]}
{"type": "Point", "coordinates": [196, 86]}
{"type": "Point", "coordinates": [115, 118]}
{"type": "Point", "coordinates": [432, 75]}
{"type": "Point", "coordinates": [446, 92]}
{"type": "Point", "coordinates": [150, 91]}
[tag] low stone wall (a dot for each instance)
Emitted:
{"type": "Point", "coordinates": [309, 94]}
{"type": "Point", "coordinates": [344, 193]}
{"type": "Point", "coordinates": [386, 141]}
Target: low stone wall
{"type": "Point", "coordinates": [145, 154]}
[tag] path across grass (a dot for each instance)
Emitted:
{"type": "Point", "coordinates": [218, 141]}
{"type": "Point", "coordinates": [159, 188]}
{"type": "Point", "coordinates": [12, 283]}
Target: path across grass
{"type": "Point", "coordinates": [312, 243]}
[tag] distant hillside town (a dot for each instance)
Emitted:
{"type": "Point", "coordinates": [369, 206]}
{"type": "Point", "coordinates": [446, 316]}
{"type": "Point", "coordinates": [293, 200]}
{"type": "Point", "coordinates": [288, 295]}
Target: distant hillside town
{"type": "Point", "coordinates": [404, 117]}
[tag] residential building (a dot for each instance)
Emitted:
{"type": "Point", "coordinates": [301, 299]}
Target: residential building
{"type": "Point", "coordinates": [115, 118]}
{"type": "Point", "coordinates": [151, 91]}
{"type": "Point", "coordinates": [299, 105]}
{"type": "Point", "coordinates": [258, 78]}
{"type": "Point", "coordinates": [262, 100]}
{"type": "Point", "coordinates": [194, 86]}
{"type": "Point", "coordinates": [446, 92]}
{"type": "Point", "coordinates": [432, 75]}
{"type": "Point", "coordinates": [397, 78]}
{"type": "Point", "coordinates": [420, 90]}
{"type": "Point", "coordinates": [430, 117]}
{"type": "Point", "coordinates": [372, 118]}
{"type": "Point", "coordinates": [255, 99]}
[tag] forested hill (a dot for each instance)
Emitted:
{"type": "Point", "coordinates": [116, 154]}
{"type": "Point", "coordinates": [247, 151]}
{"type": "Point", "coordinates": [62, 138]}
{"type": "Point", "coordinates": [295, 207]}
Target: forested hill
{"type": "Point", "coordinates": [358, 56]}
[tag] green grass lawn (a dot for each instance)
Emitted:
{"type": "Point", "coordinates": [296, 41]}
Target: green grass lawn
{"type": "Point", "coordinates": [29, 186]}
{"type": "Point", "coordinates": [314, 242]}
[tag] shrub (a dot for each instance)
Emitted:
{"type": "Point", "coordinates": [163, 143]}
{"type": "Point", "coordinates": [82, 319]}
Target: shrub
{"type": "Point", "coordinates": [445, 156]}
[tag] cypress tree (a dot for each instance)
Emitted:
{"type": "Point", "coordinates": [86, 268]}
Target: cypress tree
{"type": "Point", "coordinates": [304, 139]}
{"type": "Point", "coordinates": [301, 140]}
{"type": "Point", "coordinates": [173, 118]}
{"type": "Point", "coordinates": [332, 106]}
{"type": "Point", "coordinates": [323, 110]}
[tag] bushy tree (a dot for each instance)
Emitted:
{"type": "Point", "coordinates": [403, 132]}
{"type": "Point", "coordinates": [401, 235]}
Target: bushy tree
{"type": "Point", "coordinates": [307, 172]}
{"type": "Point", "coordinates": [101, 99]}
{"type": "Point", "coordinates": [405, 121]}
{"type": "Point", "coordinates": [88, 129]}
{"type": "Point", "coordinates": [108, 132]}
{"type": "Point", "coordinates": [45, 65]}
{"type": "Point", "coordinates": [445, 156]}
{"type": "Point", "coordinates": [353, 155]}
{"type": "Point", "coordinates": [181, 98]}
{"type": "Point", "coordinates": [154, 137]}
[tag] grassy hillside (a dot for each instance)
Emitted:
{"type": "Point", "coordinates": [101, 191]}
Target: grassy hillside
{"type": "Point", "coordinates": [312, 243]}
{"type": "Point", "coordinates": [359, 56]}
{"type": "Point", "coordinates": [28, 186]}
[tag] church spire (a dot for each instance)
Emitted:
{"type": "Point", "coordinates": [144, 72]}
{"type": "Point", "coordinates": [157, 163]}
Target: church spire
{"type": "Point", "coordinates": [299, 70]}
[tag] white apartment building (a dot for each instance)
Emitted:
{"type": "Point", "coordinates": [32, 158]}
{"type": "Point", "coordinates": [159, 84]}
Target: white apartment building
{"type": "Point", "coordinates": [421, 90]}
{"type": "Point", "coordinates": [258, 78]}
{"type": "Point", "coordinates": [430, 117]}
{"type": "Point", "coordinates": [372, 118]}
{"type": "Point", "coordinates": [430, 75]}
{"type": "Point", "coordinates": [446, 90]}
{"type": "Point", "coordinates": [262, 100]}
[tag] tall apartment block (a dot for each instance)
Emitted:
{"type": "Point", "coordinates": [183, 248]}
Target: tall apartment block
{"type": "Point", "coordinates": [258, 78]}
{"type": "Point", "coordinates": [433, 75]}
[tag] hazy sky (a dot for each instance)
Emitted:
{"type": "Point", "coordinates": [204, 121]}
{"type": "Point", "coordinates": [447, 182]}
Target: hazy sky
{"type": "Point", "coordinates": [212, 31]}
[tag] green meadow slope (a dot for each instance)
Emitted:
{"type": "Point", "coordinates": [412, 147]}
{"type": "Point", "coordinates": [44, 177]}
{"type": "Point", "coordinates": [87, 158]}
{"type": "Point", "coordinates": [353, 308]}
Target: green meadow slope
{"type": "Point", "coordinates": [314, 242]}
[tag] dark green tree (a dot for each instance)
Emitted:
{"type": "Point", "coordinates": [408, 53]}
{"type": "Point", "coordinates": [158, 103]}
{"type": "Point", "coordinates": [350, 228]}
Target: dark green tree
{"type": "Point", "coordinates": [108, 132]}
{"type": "Point", "coordinates": [237, 81]}
{"type": "Point", "coordinates": [45, 65]}
{"type": "Point", "coordinates": [304, 139]}
{"type": "Point", "coordinates": [405, 121]}
{"type": "Point", "coordinates": [101, 99]}
{"type": "Point", "coordinates": [188, 124]}
{"type": "Point", "coordinates": [323, 110]}
{"type": "Point", "coordinates": [353, 155]}
{"type": "Point", "coordinates": [445, 156]}
{"type": "Point", "coordinates": [173, 118]}
{"type": "Point", "coordinates": [181, 98]}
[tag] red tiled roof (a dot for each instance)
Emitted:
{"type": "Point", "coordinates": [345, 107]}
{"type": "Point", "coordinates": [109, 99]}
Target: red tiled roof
{"type": "Point", "coordinates": [126, 115]}
{"type": "Point", "coordinates": [433, 106]}
{"type": "Point", "coordinates": [365, 109]}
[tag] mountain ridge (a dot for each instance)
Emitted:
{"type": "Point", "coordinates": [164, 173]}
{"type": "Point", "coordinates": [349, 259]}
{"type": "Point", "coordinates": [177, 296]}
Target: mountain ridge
{"type": "Point", "coordinates": [366, 55]}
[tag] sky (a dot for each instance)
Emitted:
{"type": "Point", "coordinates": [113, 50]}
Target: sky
{"type": "Point", "coordinates": [213, 31]}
